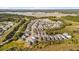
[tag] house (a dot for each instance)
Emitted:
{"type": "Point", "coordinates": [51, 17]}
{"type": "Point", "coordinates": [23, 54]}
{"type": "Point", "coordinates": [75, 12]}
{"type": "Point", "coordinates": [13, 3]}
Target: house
{"type": "Point", "coordinates": [67, 35]}
{"type": "Point", "coordinates": [59, 36]}
{"type": "Point", "coordinates": [63, 37]}
{"type": "Point", "coordinates": [59, 22]}
{"type": "Point", "coordinates": [8, 26]}
{"type": "Point", "coordinates": [48, 37]}
{"type": "Point", "coordinates": [26, 34]}
{"type": "Point", "coordinates": [23, 37]}
{"type": "Point", "coordinates": [4, 29]}
{"type": "Point", "coordinates": [1, 29]}
{"type": "Point", "coordinates": [10, 23]}
{"type": "Point", "coordinates": [31, 41]}
{"type": "Point", "coordinates": [52, 38]}
{"type": "Point", "coordinates": [56, 38]}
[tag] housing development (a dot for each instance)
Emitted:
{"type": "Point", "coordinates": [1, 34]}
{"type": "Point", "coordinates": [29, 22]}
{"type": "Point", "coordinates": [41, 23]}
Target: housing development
{"type": "Point", "coordinates": [43, 30]}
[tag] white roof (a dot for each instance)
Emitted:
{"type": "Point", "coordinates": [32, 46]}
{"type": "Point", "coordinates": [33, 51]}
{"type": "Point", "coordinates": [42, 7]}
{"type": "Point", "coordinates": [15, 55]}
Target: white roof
{"type": "Point", "coordinates": [33, 38]}
{"type": "Point", "coordinates": [23, 37]}
{"type": "Point", "coordinates": [69, 36]}
{"type": "Point", "coordinates": [56, 38]}
{"type": "Point", "coordinates": [5, 28]}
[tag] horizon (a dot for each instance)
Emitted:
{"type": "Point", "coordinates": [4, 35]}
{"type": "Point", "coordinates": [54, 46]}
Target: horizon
{"type": "Point", "coordinates": [38, 8]}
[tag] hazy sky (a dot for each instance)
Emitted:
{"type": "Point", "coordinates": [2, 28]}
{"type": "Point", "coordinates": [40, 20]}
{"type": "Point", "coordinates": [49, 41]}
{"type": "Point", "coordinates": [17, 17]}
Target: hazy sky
{"type": "Point", "coordinates": [38, 4]}
{"type": "Point", "coordinates": [39, 7]}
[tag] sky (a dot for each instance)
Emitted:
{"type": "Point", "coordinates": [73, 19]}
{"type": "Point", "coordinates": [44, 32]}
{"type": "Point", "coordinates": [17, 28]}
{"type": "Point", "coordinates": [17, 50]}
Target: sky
{"type": "Point", "coordinates": [38, 4]}
{"type": "Point", "coordinates": [39, 8]}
